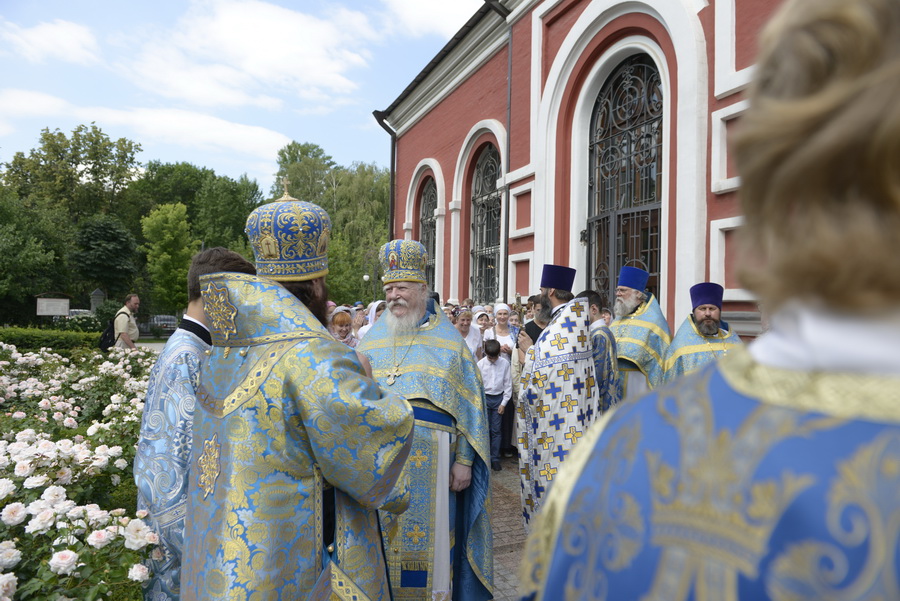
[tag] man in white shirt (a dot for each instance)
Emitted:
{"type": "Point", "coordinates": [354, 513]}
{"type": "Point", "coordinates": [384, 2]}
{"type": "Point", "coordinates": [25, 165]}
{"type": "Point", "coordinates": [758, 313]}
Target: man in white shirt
{"type": "Point", "coordinates": [497, 379]}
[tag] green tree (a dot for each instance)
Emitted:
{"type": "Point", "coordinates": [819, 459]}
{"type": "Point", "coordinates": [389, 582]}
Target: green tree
{"type": "Point", "coordinates": [309, 171]}
{"type": "Point", "coordinates": [29, 264]}
{"type": "Point", "coordinates": [169, 249]}
{"type": "Point", "coordinates": [86, 173]}
{"type": "Point", "coordinates": [359, 228]}
{"type": "Point", "coordinates": [222, 208]}
{"type": "Point", "coordinates": [105, 255]}
{"type": "Point", "coordinates": [162, 183]}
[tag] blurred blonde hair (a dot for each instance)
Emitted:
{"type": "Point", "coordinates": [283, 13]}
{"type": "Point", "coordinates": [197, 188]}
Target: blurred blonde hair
{"type": "Point", "coordinates": [818, 152]}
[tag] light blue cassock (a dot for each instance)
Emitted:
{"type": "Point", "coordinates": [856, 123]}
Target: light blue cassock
{"type": "Point", "coordinates": [738, 482]}
{"type": "Point", "coordinates": [690, 350]}
{"type": "Point", "coordinates": [434, 369]}
{"type": "Point", "coordinates": [641, 342]}
{"type": "Point", "coordinates": [606, 365]}
{"type": "Point", "coordinates": [163, 454]}
{"type": "Point", "coordinates": [283, 412]}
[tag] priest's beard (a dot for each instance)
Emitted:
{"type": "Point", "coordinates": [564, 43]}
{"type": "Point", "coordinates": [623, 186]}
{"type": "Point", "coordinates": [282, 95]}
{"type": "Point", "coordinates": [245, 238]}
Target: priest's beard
{"type": "Point", "coordinates": [624, 307]}
{"type": "Point", "coordinates": [316, 303]}
{"type": "Point", "coordinates": [708, 327]}
{"type": "Point", "coordinates": [407, 324]}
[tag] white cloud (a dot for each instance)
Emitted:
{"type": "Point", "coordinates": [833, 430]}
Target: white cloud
{"type": "Point", "coordinates": [22, 104]}
{"type": "Point", "coordinates": [28, 103]}
{"type": "Point", "coordinates": [60, 40]}
{"type": "Point", "coordinates": [432, 17]}
{"type": "Point", "coordinates": [189, 129]}
{"type": "Point", "coordinates": [250, 52]}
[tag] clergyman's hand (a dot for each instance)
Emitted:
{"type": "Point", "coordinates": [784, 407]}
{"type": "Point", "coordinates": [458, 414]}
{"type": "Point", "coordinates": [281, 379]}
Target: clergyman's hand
{"type": "Point", "coordinates": [460, 477]}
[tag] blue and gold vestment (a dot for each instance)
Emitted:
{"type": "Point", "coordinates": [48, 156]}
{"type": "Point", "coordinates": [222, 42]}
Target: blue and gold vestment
{"type": "Point", "coordinates": [558, 401]}
{"type": "Point", "coordinates": [606, 366]}
{"type": "Point", "coordinates": [641, 341]}
{"type": "Point", "coordinates": [737, 482]}
{"type": "Point", "coordinates": [690, 350]}
{"type": "Point", "coordinates": [283, 411]}
{"type": "Point", "coordinates": [438, 372]}
{"type": "Point", "coordinates": [164, 452]}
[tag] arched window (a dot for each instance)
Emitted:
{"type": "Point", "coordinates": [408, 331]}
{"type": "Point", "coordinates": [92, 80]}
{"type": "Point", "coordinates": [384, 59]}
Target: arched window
{"type": "Point", "coordinates": [486, 226]}
{"type": "Point", "coordinates": [428, 226]}
{"type": "Point", "coordinates": [626, 176]}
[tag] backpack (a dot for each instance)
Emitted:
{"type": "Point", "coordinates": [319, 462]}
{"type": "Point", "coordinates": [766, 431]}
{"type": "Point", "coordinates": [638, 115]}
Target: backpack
{"type": "Point", "coordinates": [108, 337]}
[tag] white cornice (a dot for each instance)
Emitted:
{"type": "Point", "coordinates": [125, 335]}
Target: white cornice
{"type": "Point", "coordinates": [486, 39]}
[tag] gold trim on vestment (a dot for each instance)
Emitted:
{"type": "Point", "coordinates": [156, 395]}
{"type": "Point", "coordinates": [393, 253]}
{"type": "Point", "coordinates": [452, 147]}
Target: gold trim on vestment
{"type": "Point", "coordinates": [845, 395]}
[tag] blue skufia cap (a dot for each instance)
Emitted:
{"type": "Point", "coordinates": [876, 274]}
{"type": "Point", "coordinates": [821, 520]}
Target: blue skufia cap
{"type": "Point", "coordinates": [403, 261]}
{"type": "Point", "coordinates": [289, 239]}
{"type": "Point", "coordinates": [706, 293]}
{"type": "Point", "coordinates": [558, 276]}
{"type": "Point", "coordinates": [633, 277]}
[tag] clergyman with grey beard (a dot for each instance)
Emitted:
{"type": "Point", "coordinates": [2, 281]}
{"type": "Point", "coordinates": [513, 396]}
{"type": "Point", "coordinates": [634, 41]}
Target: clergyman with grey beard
{"type": "Point", "coordinates": [642, 334]}
{"type": "Point", "coordinates": [415, 351]}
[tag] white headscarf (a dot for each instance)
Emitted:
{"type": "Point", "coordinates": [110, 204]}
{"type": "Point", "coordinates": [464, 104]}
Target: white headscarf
{"type": "Point", "coordinates": [373, 309]}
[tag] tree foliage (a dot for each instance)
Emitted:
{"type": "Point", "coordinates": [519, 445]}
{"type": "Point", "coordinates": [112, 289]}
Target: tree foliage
{"type": "Point", "coordinates": [77, 212]}
{"type": "Point", "coordinates": [222, 205]}
{"type": "Point", "coordinates": [105, 254]}
{"type": "Point", "coordinates": [162, 183]}
{"type": "Point", "coordinates": [169, 249]}
{"type": "Point", "coordinates": [309, 171]}
{"type": "Point", "coordinates": [85, 173]}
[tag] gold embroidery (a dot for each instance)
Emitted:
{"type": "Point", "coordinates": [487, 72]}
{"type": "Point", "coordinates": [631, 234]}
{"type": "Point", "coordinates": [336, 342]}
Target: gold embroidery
{"type": "Point", "coordinates": [416, 534]}
{"type": "Point", "coordinates": [209, 465]}
{"type": "Point", "coordinates": [862, 512]}
{"type": "Point", "coordinates": [219, 309]}
{"type": "Point", "coordinates": [419, 458]}
{"type": "Point", "coordinates": [711, 517]}
{"type": "Point", "coordinates": [845, 395]}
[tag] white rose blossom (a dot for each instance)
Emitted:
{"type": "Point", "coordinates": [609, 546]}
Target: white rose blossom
{"type": "Point", "coordinates": [8, 584]}
{"type": "Point", "coordinates": [35, 481]}
{"type": "Point", "coordinates": [136, 535]}
{"type": "Point", "coordinates": [139, 572]}
{"type": "Point", "coordinates": [41, 523]}
{"type": "Point", "coordinates": [14, 514]}
{"type": "Point", "coordinates": [64, 562]}
{"type": "Point", "coordinates": [9, 558]}
{"type": "Point", "coordinates": [23, 469]}
{"type": "Point", "coordinates": [7, 487]}
{"type": "Point", "coordinates": [54, 495]}
{"type": "Point", "coordinates": [99, 538]}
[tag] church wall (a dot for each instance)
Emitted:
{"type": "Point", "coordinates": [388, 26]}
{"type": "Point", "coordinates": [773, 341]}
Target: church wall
{"type": "Point", "coordinates": [705, 49]}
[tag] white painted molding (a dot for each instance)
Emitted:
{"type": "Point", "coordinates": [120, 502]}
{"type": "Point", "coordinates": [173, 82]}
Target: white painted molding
{"type": "Point", "coordinates": [688, 40]}
{"type": "Point", "coordinates": [511, 282]}
{"type": "Point", "coordinates": [463, 160]}
{"type": "Point", "coordinates": [721, 182]}
{"type": "Point", "coordinates": [514, 176]}
{"type": "Point", "coordinates": [429, 167]}
{"type": "Point", "coordinates": [514, 193]}
{"type": "Point", "coordinates": [728, 80]}
{"type": "Point", "coordinates": [717, 230]}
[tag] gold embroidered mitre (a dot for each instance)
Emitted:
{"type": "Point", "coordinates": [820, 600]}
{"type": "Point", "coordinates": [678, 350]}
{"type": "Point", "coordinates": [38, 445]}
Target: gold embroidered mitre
{"type": "Point", "coordinates": [289, 239]}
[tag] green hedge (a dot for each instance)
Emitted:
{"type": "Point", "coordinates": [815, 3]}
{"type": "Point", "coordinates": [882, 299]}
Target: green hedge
{"type": "Point", "coordinates": [32, 339]}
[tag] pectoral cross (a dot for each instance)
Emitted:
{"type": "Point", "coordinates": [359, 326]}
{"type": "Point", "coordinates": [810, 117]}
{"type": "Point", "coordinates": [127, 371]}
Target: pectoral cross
{"type": "Point", "coordinates": [392, 375]}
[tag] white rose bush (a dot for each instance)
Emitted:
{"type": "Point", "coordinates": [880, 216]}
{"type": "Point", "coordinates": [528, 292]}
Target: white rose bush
{"type": "Point", "coordinates": [68, 430]}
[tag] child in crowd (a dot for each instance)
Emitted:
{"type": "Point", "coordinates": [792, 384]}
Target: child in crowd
{"type": "Point", "coordinates": [495, 374]}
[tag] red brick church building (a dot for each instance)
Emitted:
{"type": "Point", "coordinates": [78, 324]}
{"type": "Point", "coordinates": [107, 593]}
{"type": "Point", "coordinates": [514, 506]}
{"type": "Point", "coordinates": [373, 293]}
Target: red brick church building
{"type": "Point", "coordinates": [588, 133]}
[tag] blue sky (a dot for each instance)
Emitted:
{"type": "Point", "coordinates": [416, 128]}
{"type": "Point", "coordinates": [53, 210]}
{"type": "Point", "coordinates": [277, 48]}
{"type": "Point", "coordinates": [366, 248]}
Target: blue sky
{"type": "Point", "coordinates": [221, 84]}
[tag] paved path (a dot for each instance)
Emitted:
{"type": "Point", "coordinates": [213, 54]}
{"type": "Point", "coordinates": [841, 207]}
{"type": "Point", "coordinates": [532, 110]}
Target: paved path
{"type": "Point", "coordinates": [509, 534]}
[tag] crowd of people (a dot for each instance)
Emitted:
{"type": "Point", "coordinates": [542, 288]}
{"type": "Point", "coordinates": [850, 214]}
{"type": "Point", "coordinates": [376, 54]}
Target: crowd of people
{"type": "Point", "coordinates": [296, 449]}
